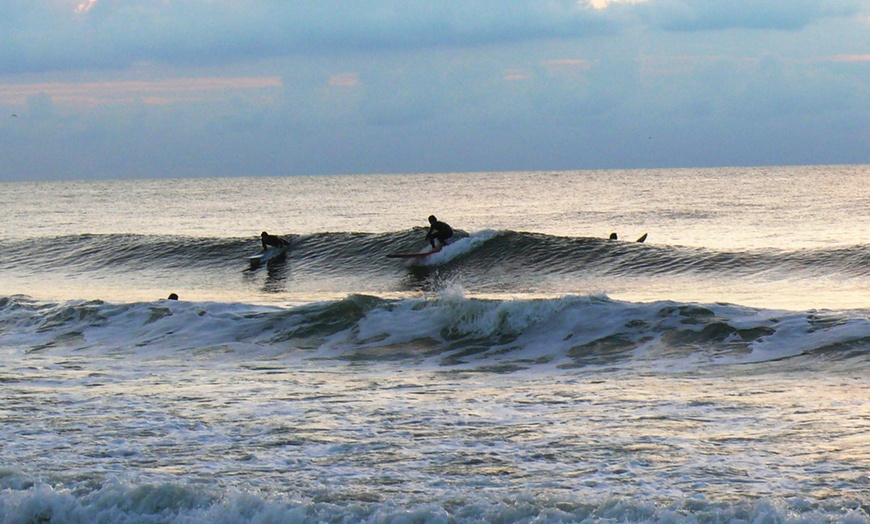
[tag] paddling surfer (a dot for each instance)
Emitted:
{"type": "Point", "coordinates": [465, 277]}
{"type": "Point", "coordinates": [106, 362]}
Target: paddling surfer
{"type": "Point", "coordinates": [642, 239]}
{"type": "Point", "coordinates": [271, 240]}
{"type": "Point", "coordinates": [439, 231]}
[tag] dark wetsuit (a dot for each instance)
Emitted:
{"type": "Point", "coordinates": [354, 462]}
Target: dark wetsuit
{"type": "Point", "coordinates": [438, 231]}
{"type": "Point", "coordinates": [272, 240]}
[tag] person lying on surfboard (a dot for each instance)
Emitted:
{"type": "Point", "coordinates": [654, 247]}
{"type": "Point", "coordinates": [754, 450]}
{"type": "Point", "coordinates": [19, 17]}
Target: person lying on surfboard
{"type": "Point", "coordinates": [438, 231]}
{"type": "Point", "coordinates": [272, 240]}
{"type": "Point", "coordinates": [613, 236]}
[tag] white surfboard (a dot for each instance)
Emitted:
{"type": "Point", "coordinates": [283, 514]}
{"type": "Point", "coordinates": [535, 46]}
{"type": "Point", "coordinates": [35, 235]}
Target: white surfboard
{"type": "Point", "coordinates": [273, 253]}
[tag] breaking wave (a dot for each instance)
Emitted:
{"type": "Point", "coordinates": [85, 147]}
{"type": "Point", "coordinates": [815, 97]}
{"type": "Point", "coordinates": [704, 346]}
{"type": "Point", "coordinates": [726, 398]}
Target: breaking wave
{"type": "Point", "coordinates": [446, 330]}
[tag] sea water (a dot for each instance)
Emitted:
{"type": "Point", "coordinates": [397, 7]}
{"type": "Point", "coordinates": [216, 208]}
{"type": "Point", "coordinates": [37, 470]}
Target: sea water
{"type": "Point", "coordinates": [531, 371]}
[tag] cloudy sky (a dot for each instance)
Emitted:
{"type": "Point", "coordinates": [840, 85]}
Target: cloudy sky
{"type": "Point", "coordinates": [174, 88]}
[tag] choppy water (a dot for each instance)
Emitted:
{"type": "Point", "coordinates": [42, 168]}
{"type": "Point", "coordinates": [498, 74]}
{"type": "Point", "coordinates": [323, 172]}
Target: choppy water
{"type": "Point", "coordinates": [533, 371]}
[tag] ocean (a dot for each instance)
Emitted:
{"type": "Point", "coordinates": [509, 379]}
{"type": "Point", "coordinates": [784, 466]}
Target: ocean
{"type": "Point", "coordinates": [533, 370]}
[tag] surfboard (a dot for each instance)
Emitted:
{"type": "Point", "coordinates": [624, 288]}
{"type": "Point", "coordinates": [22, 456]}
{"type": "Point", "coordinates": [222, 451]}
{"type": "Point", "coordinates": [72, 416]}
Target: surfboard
{"type": "Point", "coordinates": [642, 238]}
{"type": "Point", "coordinates": [413, 255]}
{"type": "Point", "coordinates": [273, 253]}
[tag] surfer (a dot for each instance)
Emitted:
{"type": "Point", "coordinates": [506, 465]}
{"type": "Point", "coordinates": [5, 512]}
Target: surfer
{"type": "Point", "coordinates": [613, 236]}
{"type": "Point", "coordinates": [272, 240]}
{"type": "Point", "coordinates": [438, 231]}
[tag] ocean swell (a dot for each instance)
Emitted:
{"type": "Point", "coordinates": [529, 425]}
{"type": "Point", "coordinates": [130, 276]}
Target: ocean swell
{"type": "Point", "coordinates": [515, 253]}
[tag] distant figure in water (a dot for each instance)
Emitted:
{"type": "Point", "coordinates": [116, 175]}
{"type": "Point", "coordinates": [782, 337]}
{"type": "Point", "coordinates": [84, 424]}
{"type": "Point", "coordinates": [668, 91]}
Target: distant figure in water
{"type": "Point", "coordinates": [272, 240]}
{"type": "Point", "coordinates": [438, 231]}
{"type": "Point", "coordinates": [173, 296]}
{"type": "Point", "coordinates": [641, 239]}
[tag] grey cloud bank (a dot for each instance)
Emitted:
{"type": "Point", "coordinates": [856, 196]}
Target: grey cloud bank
{"type": "Point", "coordinates": [113, 88]}
{"type": "Point", "coordinates": [707, 15]}
{"type": "Point", "coordinates": [41, 36]}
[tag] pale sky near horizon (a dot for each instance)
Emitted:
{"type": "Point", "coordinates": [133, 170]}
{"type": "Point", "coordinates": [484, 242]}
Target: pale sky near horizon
{"type": "Point", "coordinates": [168, 88]}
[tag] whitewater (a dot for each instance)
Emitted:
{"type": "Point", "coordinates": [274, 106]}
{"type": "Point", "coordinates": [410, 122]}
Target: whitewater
{"type": "Point", "coordinates": [534, 370]}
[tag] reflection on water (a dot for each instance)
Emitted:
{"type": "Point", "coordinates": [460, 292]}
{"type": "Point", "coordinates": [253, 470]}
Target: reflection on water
{"type": "Point", "coordinates": [277, 272]}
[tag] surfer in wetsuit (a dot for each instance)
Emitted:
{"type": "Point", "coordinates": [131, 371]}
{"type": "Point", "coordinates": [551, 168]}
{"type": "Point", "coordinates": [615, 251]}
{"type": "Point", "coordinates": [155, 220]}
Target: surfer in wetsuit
{"type": "Point", "coordinates": [272, 240]}
{"type": "Point", "coordinates": [641, 239]}
{"type": "Point", "coordinates": [438, 231]}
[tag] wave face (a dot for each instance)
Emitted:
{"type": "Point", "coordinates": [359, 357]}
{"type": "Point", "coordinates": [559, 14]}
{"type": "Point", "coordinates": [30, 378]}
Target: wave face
{"type": "Point", "coordinates": [488, 262]}
{"type": "Point", "coordinates": [448, 330]}
{"type": "Point", "coordinates": [516, 253]}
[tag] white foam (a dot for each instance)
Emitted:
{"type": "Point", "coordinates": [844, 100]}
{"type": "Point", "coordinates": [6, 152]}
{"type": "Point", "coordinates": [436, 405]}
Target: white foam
{"type": "Point", "coordinates": [173, 503]}
{"type": "Point", "coordinates": [457, 248]}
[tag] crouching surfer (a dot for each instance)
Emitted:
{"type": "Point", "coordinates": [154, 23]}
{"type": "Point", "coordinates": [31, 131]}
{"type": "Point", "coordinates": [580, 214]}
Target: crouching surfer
{"type": "Point", "coordinates": [272, 241]}
{"type": "Point", "coordinates": [439, 231]}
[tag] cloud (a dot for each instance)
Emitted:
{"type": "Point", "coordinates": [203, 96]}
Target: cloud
{"type": "Point", "coordinates": [85, 6]}
{"type": "Point", "coordinates": [851, 59]}
{"type": "Point", "coordinates": [57, 35]}
{"type": "Point", "coordinates": [344, 80]}
{"type": "Point", "coordinates": [713, 15]}
{"type": "Point", "coordinates": [604, 4]}
{"type": "Point", "coordinates": [213, 87]}
{"type": "Point", "coordinates": [116, 33]}
{"type": "Point", "coordinates": [91, 94]}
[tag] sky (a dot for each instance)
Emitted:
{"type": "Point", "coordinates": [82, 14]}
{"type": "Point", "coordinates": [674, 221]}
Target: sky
{"type": "Point", "coordinates": [167, 88]}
